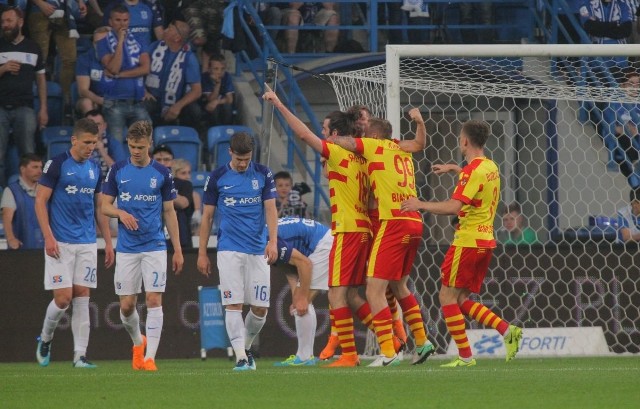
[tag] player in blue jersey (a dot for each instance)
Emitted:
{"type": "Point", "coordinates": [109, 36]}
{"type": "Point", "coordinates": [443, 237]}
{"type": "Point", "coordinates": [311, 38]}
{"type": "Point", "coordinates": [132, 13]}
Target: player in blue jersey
{"type": "Point", "coordinates": [305, 244]}
{"type": "Point", "coordinates": [245, 195]}
{"type": "Point", "coordinates": [145, 192]}
{"type": "Point", "coordinates": [66, 207]}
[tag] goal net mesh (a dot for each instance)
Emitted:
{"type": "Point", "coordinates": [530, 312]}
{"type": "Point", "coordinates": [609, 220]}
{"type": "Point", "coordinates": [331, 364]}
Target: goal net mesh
{"type": "Point", "coordinates": [554, 138]}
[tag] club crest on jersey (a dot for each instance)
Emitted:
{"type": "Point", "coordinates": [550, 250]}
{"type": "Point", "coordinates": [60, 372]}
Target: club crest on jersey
{"type": "Point", "coordinates": [91, 174]}
{"type": "Point", "coordinates": [153, 183]}
{"type": "Point", "coordinates": [255, 185]}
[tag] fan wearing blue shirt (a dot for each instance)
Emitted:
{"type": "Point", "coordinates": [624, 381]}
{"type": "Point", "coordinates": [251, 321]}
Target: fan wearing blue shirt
{"type": "Point", "coordinates": [145, 192]}
{"type": "Point", "coordinates": [145, 18]}
{"type": "Point", "coordinates": [306, 245]}
{"type": "Point", "coordinates": [173, 85]}
{"type": "Point", "coordinates": [243, 192]}
{"type": "Point", "coordinates": [70, 185]}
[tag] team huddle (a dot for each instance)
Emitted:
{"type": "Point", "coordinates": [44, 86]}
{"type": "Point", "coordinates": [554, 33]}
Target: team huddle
{"type": "Point", "coordinates": [376, 230]}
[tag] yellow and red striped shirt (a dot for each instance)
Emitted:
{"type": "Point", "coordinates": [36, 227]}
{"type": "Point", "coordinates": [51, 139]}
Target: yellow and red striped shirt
{"type": "Point", "coordinates": [392, 176]}
{"type": "Point", "coordinates": [348, 189]}
{"type": "Point", "coordinates": [479, 190]}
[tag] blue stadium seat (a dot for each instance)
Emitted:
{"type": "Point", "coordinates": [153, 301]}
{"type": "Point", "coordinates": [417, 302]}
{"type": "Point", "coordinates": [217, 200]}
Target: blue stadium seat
{"type": "Point", "coordinates": [55, 103]}
{"type": "Point", "coordinates": [57, 146]}
{"type": "Point", "coordinates": [51, 133]}
{"type": "Point", "coordinates": [183, 141]}
{"type": "Point", "coordinates": [198, 179]}
{"type": "Point", "coordinates": [12, 166]}
{"type": "Point", "coordinates": [74, 94]}
{"type": "Point", "coordinates": [218, 143]}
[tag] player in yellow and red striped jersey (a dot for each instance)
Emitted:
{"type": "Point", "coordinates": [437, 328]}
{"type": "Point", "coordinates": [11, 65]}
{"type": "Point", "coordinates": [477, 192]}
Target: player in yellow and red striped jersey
{"type": "Point", "coordinates": [474, 200]}
{"type": "Point", "coordinates": [395, 244]}
{"type": "Point", "coordinates": [349, 192]}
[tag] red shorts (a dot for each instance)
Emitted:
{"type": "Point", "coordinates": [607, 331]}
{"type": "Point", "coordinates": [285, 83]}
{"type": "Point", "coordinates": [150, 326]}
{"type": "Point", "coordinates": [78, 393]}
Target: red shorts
{"type": "Point", "coordinates": [348, 259]}
{"type": "Point", "coordinates": [394, 249]}
{"type": "Point", "coordinates": [465, 267]}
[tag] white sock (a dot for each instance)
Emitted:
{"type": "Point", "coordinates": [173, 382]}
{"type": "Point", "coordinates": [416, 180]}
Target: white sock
{"type": "Point", "coordinates": [80, 326]}
{"type": "Point", "coordinates": [252, 325]}
{"type": "Point", "coordinates": [306, 332]}
{"type": "Point", "coordinates": [51, 319]}
{"type": "Point", "coordinates": [235, 330]}
{"type": "Point", "coordinates": [155, 319]}
{"type": "Point", "coordinates": [132, 325]}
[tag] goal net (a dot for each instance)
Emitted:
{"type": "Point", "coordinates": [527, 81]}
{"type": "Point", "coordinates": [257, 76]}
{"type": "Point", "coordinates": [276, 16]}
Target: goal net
{"type": "Point", "coordinates": [559, 138]}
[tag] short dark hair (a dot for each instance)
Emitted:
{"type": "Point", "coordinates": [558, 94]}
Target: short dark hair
{"type": "Point", "coordinates": [162, 148]}
{"type": "Point", "coordinates": [514, 207]}
{"type": "Point", "coordinates": [283, 174]}
{"type": "Point", "coordinates": [241, 143]}
{"type": "Point", "coordinates": [85, 125]}
{"type": "Point", "coordinates": [357, 110]}
{"type": "Point", "coordinates": [477, 132]}
{"type": "Point", "coordinates": [15, 9]}
{"type": "Point", "coordinates": [120, 8]}
{"type": "Point", "coordinates": [93, 112]}
{"type": "Point", "coordinates": [634, 194]}
{"type": "Point", "coordinates": [27, 158]}
{"type": "Point", "coordinates": [343, 123]}
{"type": "Point", "coordinates": [217, 57]}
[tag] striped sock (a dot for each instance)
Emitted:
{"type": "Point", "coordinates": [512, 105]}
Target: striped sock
{"type": "Point", "coordinates": [332, 321]}
{"type": "Point", "coordinates": [383, 323]}
{"type": "Point", "coordinates": [364, 313]}
{"type": "Point", "coordinates": [344, 329]}
{"type": "Point", "coordinates": [413, 317]}
{"type": "Point", "coordinates": [484, 316]}
{"type": "Point", "coordinates": [455, 325]}
{"type": "Point", "coordinates": [393, 304]}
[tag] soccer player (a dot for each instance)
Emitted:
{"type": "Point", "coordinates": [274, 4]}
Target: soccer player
{"type": "Point", "coordinates": [349, 193]}
{"type": "Point", "coordinates": [245, 195]}
{"type": "Point", "coordinates": [305, 244]}
{"type": "Point", "coordinates": [474, 200]}
{"type": "Point", "coordinates": [67, 206]}
{"type": "Point", "coordinates": [398, 234]}
{"type": "Point", "coordinates": [145, 192]}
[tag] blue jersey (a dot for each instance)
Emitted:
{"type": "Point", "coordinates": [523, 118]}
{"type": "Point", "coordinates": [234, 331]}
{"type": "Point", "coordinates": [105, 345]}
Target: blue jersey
{"type": "Point", "coordinates": [122, 88]}
{"type": "Point", "coordinates": [239, 197]}
{"type": "Point", "coordinates": [226, 85]}
{"type": "Point", "coordinates": [171, 73]}
{"type": "Point", "coordinates": [72, 206]}
{"type": "Point", "coordinates": [143, 18]}
{"type": "Point", "coordinates": [141, 192]}
{"type": "Point", "coordinates": [88, 65]}
{"type": "Point", "coordinates": [300, 234]}
{"type": "Point", "coordinates": [625, 113]}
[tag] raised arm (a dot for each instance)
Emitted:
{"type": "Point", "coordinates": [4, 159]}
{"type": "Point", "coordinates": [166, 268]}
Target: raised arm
{"type": "Point", "coordinates": [420, 141]}
{"type": "Point", "coordinates": [347, 142]}
{"type": "Point", "coordinates": [297, 126]}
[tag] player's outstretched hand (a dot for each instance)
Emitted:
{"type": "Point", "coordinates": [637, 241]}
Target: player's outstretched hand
{"type": "Point", "coordinates": [415, 115]}
{"type": "Point", "coordinates": [177, 261]}
{"type": "Point", "coordinates": [412, 204]}
{"type": "Point", "coordinates": [204, 265]}
{"type": "Point", "coordinates": [441, 168]}
{"type": "Point", "coordinates": [270, 96]}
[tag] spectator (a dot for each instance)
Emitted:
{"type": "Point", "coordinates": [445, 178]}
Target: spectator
{"type": "Point", "coordinates": [21, 65]}
{"type": "Point", "coordinates": [183, 202]}
{"type": "Point", "coordinates": [173, 85]}
{"type": "Point", "coordinates": [90, 77]}
{"type": "Point", "coordinates": [314, 13]}
{"type": "Point", "coordinates": [289, 200]}
{"type": "Point", "coordinates": [108, 151]}
{"type": "Point", "coordinates": [125, 63]}
{"type": "Point", "coordinates": [624, 119]}
{"type": "Point", "coordinates": [18, 207]}
{"type": "Point", "coordinates": [628, 218]}
{"type": "Point", "coordinates": [477, 13]}
{"type": "Point", "coordinates": [514, 230]}
{"type": "Point", "coordinates": [205, 19]}
{"type": "Point", "coordinates": [218, 93]}
{"type": "Point", "coordinates": [56, 19]}
{"type": "Point", "coordinates": [181, 171]}
{"type": "Point", "coordinates": [145, 18]}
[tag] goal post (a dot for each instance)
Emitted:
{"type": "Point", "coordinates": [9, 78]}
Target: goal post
{"type": "Point", "coordinates": [554, 112]}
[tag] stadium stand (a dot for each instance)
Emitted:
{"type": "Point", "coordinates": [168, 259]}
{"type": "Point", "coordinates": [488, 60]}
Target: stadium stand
{"type": "Point", "coordinates": [55, 103]}
{"type": "Point", "coordinates": [183, 141]}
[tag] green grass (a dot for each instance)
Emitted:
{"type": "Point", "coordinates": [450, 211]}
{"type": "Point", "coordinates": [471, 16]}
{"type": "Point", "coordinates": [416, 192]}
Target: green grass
{"type": "Point", "coordinates": [523, 383]}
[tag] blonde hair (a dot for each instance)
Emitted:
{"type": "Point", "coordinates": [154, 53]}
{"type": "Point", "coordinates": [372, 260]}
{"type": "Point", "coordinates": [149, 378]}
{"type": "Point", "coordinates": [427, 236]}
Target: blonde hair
{"type": "Point", "coordinates": [178, 165]}
{"type": "Point", "coordinates": [140, 130]}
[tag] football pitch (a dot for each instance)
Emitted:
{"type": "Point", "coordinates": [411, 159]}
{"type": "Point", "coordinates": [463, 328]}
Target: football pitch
{"type": "Point", "coordinates": [607, 382]}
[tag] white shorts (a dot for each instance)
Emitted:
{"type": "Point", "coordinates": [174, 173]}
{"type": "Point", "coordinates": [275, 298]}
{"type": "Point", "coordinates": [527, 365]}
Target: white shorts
{"type": "Point", "coordinates": [77, 265]}
{"type": "Point", "coordinates": [320, 260]}
{"type": "Point", "coordinates": [132, 269]}
{"type": "Point", "coordinates": [244, 278]}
